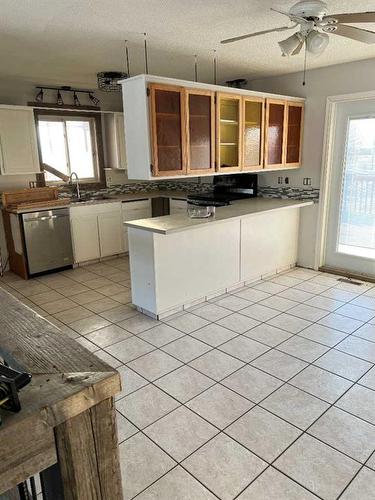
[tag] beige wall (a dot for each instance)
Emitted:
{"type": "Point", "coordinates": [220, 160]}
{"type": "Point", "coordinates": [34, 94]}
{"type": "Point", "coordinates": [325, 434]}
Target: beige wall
{"type": "Point", "coordinates": [320, 83]}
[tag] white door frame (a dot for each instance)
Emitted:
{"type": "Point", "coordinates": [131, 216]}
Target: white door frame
{"type": "Point", "coordinates": [327, 167]}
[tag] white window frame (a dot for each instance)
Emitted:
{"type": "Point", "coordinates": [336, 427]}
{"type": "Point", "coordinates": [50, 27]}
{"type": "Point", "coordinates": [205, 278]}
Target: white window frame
{"type": "Point", "coordinates": [327, 167]}
{"type": "Point", "coordinates": [92, 122]}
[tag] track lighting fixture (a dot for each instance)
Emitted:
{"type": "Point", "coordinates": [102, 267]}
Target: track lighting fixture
{"type": "Point", "coordinates": [94, 99]}
{"type": "Point", "coordinates": [39, 98]}
{"type": "Point", "coordinates": [59, 101]}
{"type": "Point", "coordinates": [75, 99]}
{"type": "Point", "coordinates": [40, 95]}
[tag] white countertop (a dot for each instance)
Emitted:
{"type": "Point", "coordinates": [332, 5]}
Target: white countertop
{"type": "Point", "coordinates": [180, 222]}
{"type": "Point", "coordinates": [121, 197]}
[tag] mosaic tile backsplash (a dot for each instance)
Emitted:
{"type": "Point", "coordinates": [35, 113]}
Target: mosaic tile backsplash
{"type": "Point", "coordinates": [197, 187]}
{"type": "Point", "coordinates": [146, 187]}
{"type": "Point", "coordinates": [291, 193]}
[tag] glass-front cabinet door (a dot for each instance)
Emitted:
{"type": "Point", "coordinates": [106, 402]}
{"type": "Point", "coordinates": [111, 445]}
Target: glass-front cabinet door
{"type": "Point", "coordinates": [200, 131]}
{"type": "Point", "coordinates": [167, 113]}
{"type": "Point", "coordinates": [294, 134]}
{"type": "Point", "coordinates": [253, 133]}
{"type": "Point", "coordinates": [275, 133]}
{"type": "Point", "coordinates": [229, 132]}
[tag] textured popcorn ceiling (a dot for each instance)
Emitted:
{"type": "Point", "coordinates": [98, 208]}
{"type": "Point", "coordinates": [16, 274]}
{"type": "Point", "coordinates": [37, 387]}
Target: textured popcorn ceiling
{"type": "Point", "coordinates": [69, 41]}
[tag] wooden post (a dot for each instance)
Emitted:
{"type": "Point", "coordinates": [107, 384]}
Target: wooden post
{"type": "Point", "coordinates": [88, 454]}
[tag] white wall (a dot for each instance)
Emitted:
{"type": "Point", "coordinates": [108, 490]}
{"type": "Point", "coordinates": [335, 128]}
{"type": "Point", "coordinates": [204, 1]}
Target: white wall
{"type": "Point", "coordinates": [346, 78]}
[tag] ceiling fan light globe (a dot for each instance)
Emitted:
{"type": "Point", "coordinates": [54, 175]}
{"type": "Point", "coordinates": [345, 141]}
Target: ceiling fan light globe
{"type": "Point", "coordinates": [317, 42]}
{"type": "Point", "coordinates": [290, 44]}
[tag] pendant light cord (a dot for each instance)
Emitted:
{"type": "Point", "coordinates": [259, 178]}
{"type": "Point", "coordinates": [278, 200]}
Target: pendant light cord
{"type": "Point", "coordinates": [146, 54]}
{"type": "Point", "coordinates": [304, 66]}
{"type": "Point", "coordinates": [127, 58]}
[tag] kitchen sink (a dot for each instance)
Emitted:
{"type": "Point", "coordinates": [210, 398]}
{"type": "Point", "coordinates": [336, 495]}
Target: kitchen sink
{"type": "Point", "coordinates": [90, 198]}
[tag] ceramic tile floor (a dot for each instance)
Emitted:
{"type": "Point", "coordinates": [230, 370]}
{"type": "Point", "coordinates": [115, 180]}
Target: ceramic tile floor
{"type": "Point", "coordinates": [267, 392]}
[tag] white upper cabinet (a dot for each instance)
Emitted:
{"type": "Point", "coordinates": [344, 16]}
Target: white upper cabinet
{"type": "Point", "coordinates": [115, 140]}
{"type": "Point", "coordinates": [18, 143]}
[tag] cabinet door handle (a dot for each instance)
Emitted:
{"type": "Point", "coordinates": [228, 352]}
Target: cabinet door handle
{"type": "Point", "coordinates": [2, 170]}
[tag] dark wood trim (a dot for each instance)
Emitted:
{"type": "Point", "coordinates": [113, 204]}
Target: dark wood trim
{"type": "Point", "coordinates": [98, 138]}
{"type": "Point", "coordinates": [17, 262]}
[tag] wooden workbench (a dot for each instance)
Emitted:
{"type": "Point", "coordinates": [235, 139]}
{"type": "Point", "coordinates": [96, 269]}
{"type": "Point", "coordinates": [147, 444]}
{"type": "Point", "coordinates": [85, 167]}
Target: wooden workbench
{"type": "Point", "coordinates": [67, 416]}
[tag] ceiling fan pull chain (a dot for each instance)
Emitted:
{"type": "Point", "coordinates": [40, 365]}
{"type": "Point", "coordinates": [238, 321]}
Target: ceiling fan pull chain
{"type": "Point", "coordinates": [215, 67]}
{"type": "Point", "coordinates": [304, 66]}
{"type": "Point", "coordinates": [146, 53]}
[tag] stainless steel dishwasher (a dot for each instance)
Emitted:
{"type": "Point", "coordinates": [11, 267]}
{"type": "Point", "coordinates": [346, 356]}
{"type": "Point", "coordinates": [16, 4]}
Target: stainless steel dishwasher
{"type": "Point", "coordinates": [48, 240]}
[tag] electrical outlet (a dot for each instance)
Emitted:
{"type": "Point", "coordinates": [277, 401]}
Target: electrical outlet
{"type": "Point", "coordinates": [307, 181]}
{"type": "Point", "coordinates": [279, 180]}
{"type": "Point", "coordinates": [286, 180]}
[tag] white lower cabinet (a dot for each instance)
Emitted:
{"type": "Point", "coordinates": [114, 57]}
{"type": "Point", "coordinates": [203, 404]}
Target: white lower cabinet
{"type": "Point", "coordinates": [96, 231]}
{"type": "Point", "coordinates": [110, 233]}
{"type": "Point", "coordinates": [85, 237]}
{"type": "Point", "coordinates": [132, 210]}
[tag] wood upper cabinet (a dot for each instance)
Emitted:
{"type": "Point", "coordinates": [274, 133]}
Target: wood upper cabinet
{"type": "Point", "coordinates": [275, 128]}
{"type": "Point", "coordinates": [228, 132]}
{"type": "Point", "coordinates": [293, 147]}
{"type": "Point", "coordinates": [177, 128]}
{"type": "Point", "coordinates": [283, 133]}
{"type": "Point", "coordinates": [253, 133]}
{"type": "Point", "coordinates": [200, 131]}
{"type": "Point", "coordinates": [168, 130]}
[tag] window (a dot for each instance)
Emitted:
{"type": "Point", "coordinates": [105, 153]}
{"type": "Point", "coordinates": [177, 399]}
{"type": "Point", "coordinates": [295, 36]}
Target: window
{"type": "Point", "coordinates": [357, 222]}
{"type": "Point", "coordinates": [69, 144]}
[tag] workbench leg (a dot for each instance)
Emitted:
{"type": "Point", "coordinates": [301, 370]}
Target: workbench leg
{"type": "Point", "coordinates": [88, 454]}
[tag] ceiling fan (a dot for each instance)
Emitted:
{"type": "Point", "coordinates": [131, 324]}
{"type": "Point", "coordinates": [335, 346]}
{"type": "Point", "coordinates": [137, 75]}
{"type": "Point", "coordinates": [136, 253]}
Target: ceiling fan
{"type": "Point", "coordinates": [315, 25]}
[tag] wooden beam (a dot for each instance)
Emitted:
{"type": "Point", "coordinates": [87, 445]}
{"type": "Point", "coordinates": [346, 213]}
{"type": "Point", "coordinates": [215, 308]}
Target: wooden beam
{"type": "Point", "coordinates": [67, 409]}
{"type": "Point", "coordinates": [88, 455]}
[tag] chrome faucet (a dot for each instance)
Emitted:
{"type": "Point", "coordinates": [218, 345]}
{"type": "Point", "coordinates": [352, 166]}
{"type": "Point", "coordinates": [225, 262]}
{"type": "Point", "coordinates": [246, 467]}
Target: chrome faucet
{"type": "Point", "coordinates": [77, 183]}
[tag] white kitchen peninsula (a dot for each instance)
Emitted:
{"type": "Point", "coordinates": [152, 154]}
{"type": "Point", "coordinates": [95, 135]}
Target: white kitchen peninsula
{"type": "Point", "coordinates": [176, 261]}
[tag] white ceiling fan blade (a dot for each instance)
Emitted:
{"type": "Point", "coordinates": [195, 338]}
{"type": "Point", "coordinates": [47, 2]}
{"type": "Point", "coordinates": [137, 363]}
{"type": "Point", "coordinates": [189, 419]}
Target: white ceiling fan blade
{"type": "Point", "coordinates": [249, 35]}
{"type": "Point", "coordinates": [354, 17]}
{"type": "Point", "coordinates": [358, 34]}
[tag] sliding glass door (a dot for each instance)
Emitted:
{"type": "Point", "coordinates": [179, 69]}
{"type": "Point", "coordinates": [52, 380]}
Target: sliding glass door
{"type": "Point", "coordinates": [351, 220]}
